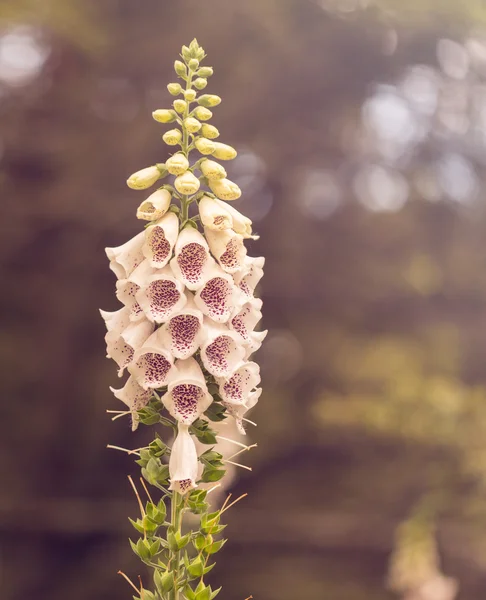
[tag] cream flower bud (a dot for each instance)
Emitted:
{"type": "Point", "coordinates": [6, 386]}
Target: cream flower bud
{"type": "Point", "coordinates": [174, 89]}
{"type": "Point", "coordinates": [180, 68]}
{"type": "Point", "coordinates": [241, 224]}
{"type": "Point", "coordinates": [193, 64]}
{"type": "Point", "coordinates": [204, 145]}
{"type": "Point", "coordinates": [202, 113]}
{"type": "Point", "coordinates": [209, 100]}
{"type": "Point", "coordinates": [190, 95]}
{"type": "Point", "coordinates": [192, 125]}
{"type": "Point", "coordinates": [172, 137]}
{"type": "Point", "coordinates": [200, 83]}
{"type": "Point", "coordinates": [205, 72]}
{"type": "Point", "coordinates": [155, 206]}
{"type": "Point", "coordinates": [223, 151]}
{"type": "Point", "coordinates": [209, 131]}
{"type": "Point", "coordinates": [177, 164]}
{"type": "Point", "coordinates": [212, 170]}
{"type": "Point", "coordinates": [225, 189]}
{"type": "Point", "coordinates": [187, 183]}
{"type": "Point", "coordinates": [213, 215]}
{"type": "Point", "coordinates": [180, 105]}
{"type": "Point", "coordinates": [144, 178]}
{"type": "Point", "coordinates": [163, 115]}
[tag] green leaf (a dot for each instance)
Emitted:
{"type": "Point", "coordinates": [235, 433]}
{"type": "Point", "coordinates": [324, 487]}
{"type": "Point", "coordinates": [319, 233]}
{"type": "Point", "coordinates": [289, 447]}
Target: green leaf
{"type": "Point", "coordinates": [196, 567]}
{"type": "Point", "coordinates": [214, 547]}
{"type": "Point", "coordinates": [211, 475]}
{"type": "Point", "coordinates": [216, 592]}
{"type": "Point", "coordinates": [137, 525]}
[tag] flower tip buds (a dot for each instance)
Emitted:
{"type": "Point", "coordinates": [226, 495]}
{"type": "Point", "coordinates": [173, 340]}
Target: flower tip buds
{"type": "Point", "coordinates": [202, 113]}
{"type": "Point", "coordinates": [193, 64]}
{"type": "Point", "coordinates": [200, 83]}
{"type": "Point", "coordinates": [180, 68]}
{"type": "Point", "coordinates": [223, 151]}
{"type": "Point", "coordinates": [225, 189]}
{"type": "Point", "coordinates": [205, 72]}
{"type": "Point", "coordinates": [172, 137]}
{"type": "Point", "coordinates": [187, 183]}
{"type": "Point", "coordinates": [144, 178]}
{"type": "Point", "coordinates": [190, 95]}
{"type": "Point", "coordinates": [162, 115]}
{"type": "Point", "coordinates": [209, 131]}
{"type": "Point", "coordinates": [204, 145]}
{"type": "Point", "coordinates": [174, 89]}
{"type": "Point", "coordinates": [177, 164]}
{"type": "Point", "coordinates": [155, 206]}
{"type": "Point", "coordinates": [212, 170]}
{"type": "Point", "coordinates": [192, 125]}
{"type": "Point", "coordinates": [209, 100]}
{"type": "Point", "coordinates": [180, 105]}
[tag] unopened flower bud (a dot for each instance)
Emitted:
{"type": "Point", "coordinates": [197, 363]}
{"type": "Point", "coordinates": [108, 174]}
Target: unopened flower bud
{"type": "Point", "coordinates": [187, 183]}
{"type": "Point", "coordinates": [180, 105]}
{"type": "Point", "coordinates": [212, 170]}
{"type": "Point", "coordinates": [209, 100]}
{"type": "Point", "coordinates": [213, 215]}
{"type": "Point", "coordinates": [200, 83]}
{"type": "Point", "coordinates": [225, 189]}
{"type": "Point", "coordinates": [205, 72]}
{"type": "Point", "coordinates": [186, 53]}
{"type": "Point", "coordinates": [172, 137]}
{"type": "Point", "coordinates": [193, 64]}
{"type": "Point", "coordinates": [144, 178]}
{"type": "Point", "coordinates": [155, 206]}
{"type": "Point", "coordinates": [202, 113]}
{"type": "Point", "coordinates": [223, 151]}
{"type": "Point", "coordinates": [177, 164]}
{"type": "Point", "coordinates": [192, 125]}
{"type": "Point", "coordinates": [174, 89]}
{"type": "Point", "coordinates": [180, 68]}
{"type": "Point", "coordinates": [204, 145]}
{"type": "Point", "coordinates": [209, 131]}
{"type": "Point", "coordinates": [162, 115]}
{"type": "Point", "coordinates": [190, 95]}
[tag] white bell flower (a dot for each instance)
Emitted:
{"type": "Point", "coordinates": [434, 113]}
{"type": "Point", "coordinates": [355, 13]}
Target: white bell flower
{"type": "Point", "coordinates": [126, 289]}
{"type": "Point", "coordinates": [183, 462]}
{"type": "Point", "coordinates": [155, 206]}
{"type": "Point", "coordinates": [238, 409]}
{"type": "Point", "coordinates": [187, 396]}
{"type": "Point", "coordinates": [160, 239]}
{"type": "Point", "coordinates": [247, 279]}
{"type": "Point", "coordinates": [246, 318]}
{"type": "Point", "coordinates": [228, 249]}
{"type": "Point", "coordinates": [213, 215]}
{"type": "Point", "coordinates": [121, 346]}
{"type": "Point", "coordinates": [255, 342]}
{"type": "Point", "coordinates": [134, 396]}
{"type": "Point", "coordinates": [218, 296]}
{"type": "Point", "coordinates": [116, 321]}
{"type": "Point", "coordinates": [125, 258]}
{"type": "Point", "coordinates": [241, 224]}
{"type": "Point", "coordinates": [182, 333]}
{"type": "Point", "coordinates": [161, 296]}
{"type": "Point", "coordinates": [222, 350]}
{"type": "Point", "coordinates": [192, 259]}
{"type": "Point", "coordinates": [238, 387]}
{"type": "Point", "coordinates": [151, 364]}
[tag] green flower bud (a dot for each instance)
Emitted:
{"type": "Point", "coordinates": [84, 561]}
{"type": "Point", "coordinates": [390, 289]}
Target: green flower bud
{"type": "Point", "coordinates": [209, 131]}
{"type": "Point", "coordinates": [190, 95]}
{"type": "Point", "coordinates": [209, 100]}
{"type": "Point", "coordinates": [162, 115]}
{"type": "Point", "coordinates": [174, 88]}
{"type": "Point", "coordinates": [212, 170]}
{"type": "Point", "coordinates": [144, 178]}
{"type": "Point", "coordinates": [202, 113]}
{"type": "Point", "coordinates": [200, 83]}
{"type": "Point", "coordinates": [180, 68]}
{"type": "Point", "coordinates": [225, 189]}
{"type": "Point", "coordinates": [205, 72]}
{"type": "Point", "coordinates": [186, 53]}
{"type": "Point", "coordinates": [223, 151]}
{"type": "Point", "coordinates": [180, 105]}
{"type": "Point", "coordinates": [204, 145]}
{"type": "Point", "coordinates": [192, 125]}
{"type": "Point", "coordinates": [172, 137]}
{"type": "Point", "coordinates": [177, 164]}
{"type": "Point", "coordinates": [187, 183]}
{"type": "Point", "coordinates": [193, 64]}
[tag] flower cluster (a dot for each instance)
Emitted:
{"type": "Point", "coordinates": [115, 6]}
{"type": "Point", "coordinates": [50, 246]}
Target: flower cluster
{"type": "Point", "coordinates": [186, 330]}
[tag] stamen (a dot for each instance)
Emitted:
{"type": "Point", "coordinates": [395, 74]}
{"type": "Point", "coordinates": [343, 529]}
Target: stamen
{"type": "Point", "coordinates": [135, 451]}
{"type": "Point", "coordinates": [129, 581]}
{"type": "Point", "coordinates": [230, 462]}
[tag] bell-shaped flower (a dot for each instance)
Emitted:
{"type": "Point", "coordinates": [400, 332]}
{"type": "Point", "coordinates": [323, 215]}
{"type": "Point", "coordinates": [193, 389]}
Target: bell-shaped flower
{"type": "Point", "coordinates": [192, 260]}
{"type": "Point", "coordinates": [116, 321]}
{"type": "Point", "coordinates": [161, 296]}
{"type": "Point", "coordinates": [211, 169]}
{"type": "Point", "coordinates": [126, 289]}
{"type": "Point", "coordinates": [238, 387]}
{"type": "Point", "coordinates": [256, 340]}
{"type": "Point", "coordinates": [121, 346]}
{"type": "Point", "coordinates": [238, 409]}
{"type": "Point", "coordinates": [228, 249]}
{"type": "Point", "coordinates": [213, 215]}
{"type": "Point", "coordinates": [160, 239]}
{"type": "Point", "coordinates": [187, 396]}
{"type": "Point", "coordinates": [125, 258]}
{"type": "Point", "coordinates": [246, 318]}
{"type": "Point", "coordinates": [218, 296]}
{"type": "Point", "coordinates": [134, 396]}
{"type": "Point", "coordinates": [248, 278]}
{"type": "Point", "coordinates": [182, 333]}
{"type": "Point", "coordinates": [183, 462]}
{"type": "Point", "coordinates": [225, 189]}
{"type": "Point", "coordinates": [155, 206]}
{"type": "Point", "coordinates": [187, 183]}
{"type": "Point", "coordinates": [222, 350]}
{"type": "Point", "coordinates": [152, 363]}
{"type": "Point", "coordinates": [241, 224]}
{"type": "Point", "coordinates": [177, 164]}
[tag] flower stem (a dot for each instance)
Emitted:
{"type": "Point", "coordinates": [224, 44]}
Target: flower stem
{"type": "Point", "coordinates": [176, 522]}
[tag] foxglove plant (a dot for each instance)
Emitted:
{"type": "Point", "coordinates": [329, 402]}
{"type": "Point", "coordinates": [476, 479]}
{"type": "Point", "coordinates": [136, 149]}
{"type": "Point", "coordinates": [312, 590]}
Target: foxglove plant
{"type": "Point", "coordinates": [185, 334]}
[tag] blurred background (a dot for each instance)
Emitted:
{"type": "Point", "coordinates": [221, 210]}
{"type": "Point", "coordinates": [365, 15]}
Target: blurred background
{"type": "Point", "coordinates": [361, 130]}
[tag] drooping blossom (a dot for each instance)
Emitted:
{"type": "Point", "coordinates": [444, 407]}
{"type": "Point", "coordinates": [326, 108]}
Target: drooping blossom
{"type": "Point", "coordinates": [222, 350]}
{"type": "Point", "coordinates": [218, 296]}
{"type": "Point", "coordinates": [134, 396]}
{"type": "Point", "coordinates": [245, 319]}
{"type": "Point", "coordinates": [183, 332]}
{"type": "Point", "coordinates": [183, 463]}
{"type": "Point", "coordinates": [161, 296]}
{"type": "Point", "coordinates": [247, 279]}
{"type": "Point", "coordinates": [160, 239]}
{"type": "Point", "coordinates": [192, 259]}
{"type": "Point", "coordinates": [152, 363]}
{"type": "Point", "coordinates": [243, 381]}
{"type": "Point", "coordinates": [155, 206]}
{"type": "Point", "coordinates": [213, 214]}
{"type": "Point", "coordinates": [125, 258]}
{"type": "Point", "coordinates": [228, 249]}
{"type": "Point", "coordinates": [121, 346]}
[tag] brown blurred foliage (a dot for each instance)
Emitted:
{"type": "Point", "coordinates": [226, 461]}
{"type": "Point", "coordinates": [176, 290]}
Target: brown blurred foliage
{"type": "Point", "coordinates": [361, 132]}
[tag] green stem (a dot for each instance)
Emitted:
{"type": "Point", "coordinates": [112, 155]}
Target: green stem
{"type": "Point", "coordinates": [176, 522]}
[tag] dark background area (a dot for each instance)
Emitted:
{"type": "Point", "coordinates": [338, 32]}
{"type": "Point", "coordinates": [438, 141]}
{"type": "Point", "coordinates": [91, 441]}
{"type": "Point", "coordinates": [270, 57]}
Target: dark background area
{"type": "Point", "coordinates": [361, 130]}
